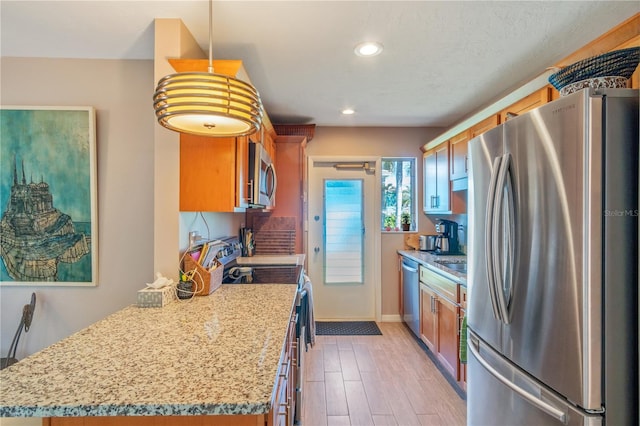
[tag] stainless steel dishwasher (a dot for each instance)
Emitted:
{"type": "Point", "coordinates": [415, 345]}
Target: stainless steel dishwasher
{"type": "Point", "coordinates": [411, 294]}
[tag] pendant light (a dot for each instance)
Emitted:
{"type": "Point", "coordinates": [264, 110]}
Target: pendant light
{"type": "Point", "coordinates": [207, 104]}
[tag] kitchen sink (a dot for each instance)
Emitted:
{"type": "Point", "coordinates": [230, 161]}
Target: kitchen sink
{"type": "Point", "coordinates": [455, 266]}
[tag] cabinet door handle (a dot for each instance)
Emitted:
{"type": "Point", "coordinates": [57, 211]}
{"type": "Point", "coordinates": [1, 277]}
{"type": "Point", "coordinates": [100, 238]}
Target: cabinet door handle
{"type": "Point", "coordinates": [250, 189]}
{"type": "Point", "coordinates": [466, 163]}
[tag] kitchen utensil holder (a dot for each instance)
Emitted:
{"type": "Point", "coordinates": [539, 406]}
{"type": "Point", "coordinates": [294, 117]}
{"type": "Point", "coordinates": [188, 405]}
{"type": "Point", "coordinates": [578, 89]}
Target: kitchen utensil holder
{"type": "Point", "coordinates": [206, 281]}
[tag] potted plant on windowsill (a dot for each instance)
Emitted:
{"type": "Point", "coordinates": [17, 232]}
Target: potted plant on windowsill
{"type": "Point", "coordinates": [389, 222]}
{"type": "Point", "coordinates": [405, 220]}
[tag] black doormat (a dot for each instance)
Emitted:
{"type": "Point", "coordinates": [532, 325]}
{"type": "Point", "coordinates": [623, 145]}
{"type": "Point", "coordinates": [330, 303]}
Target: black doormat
{"type": "Point", "coordinates": [347, 328]}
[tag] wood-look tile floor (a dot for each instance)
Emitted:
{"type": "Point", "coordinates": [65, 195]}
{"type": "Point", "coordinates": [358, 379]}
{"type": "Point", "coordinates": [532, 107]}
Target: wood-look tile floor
{"type": "Point", "coordinates": [376, 380]}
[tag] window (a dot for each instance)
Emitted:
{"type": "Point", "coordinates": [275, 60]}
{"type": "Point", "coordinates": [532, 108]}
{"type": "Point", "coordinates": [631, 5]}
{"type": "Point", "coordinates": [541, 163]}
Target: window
{"type": "Point", "coordinates": [398, 194]}
{"type": "Point", "coordinates": [344, 224]}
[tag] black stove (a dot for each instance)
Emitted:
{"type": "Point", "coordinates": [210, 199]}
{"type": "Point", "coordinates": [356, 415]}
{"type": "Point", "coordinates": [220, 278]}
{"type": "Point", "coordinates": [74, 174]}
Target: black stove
{"type": "Point", "coordinates": [263, 274]}
{"type": "Point", "coordinates": [254, 274]}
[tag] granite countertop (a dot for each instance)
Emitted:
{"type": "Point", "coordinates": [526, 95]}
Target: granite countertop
{"type": "Point", "coordinates": [432, 262]}
{"type": "Point", "coordinates": [217, 354]}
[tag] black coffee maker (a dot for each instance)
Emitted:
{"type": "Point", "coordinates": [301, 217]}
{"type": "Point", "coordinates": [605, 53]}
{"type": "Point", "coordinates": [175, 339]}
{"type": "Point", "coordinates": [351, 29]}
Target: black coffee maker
{"type": "Point", "coordinates": [447, 240]}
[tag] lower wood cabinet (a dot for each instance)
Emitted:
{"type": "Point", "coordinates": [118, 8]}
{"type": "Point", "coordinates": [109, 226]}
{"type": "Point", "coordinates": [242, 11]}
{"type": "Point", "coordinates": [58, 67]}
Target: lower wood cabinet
{"type": "Point", "coordinates": [447, 335]}
{"type": "Point", "coordinates": [429, 318]}
{"type": "Point", "coordinates": [440, 319]}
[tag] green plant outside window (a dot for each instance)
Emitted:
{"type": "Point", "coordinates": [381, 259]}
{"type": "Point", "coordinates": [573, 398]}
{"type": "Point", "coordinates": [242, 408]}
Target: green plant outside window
{"type": "Point", "coordinates": [398, 194]}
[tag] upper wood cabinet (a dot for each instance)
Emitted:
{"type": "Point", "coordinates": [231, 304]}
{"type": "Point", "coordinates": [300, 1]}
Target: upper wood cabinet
{"type": "Point", "coordinates": [291, 194]}
{"type": "Point", "coordinates": [436, 180]}
{"type": "Point", "coordinates": [267, 141]}
{"type": "Point", "coordinates": [459, 160]}
{"type": "Point", "coordinates": [484, 126]}
{"type": "Point", "coordinates": [635, 77]}
{"type": "Point", "coordinates": [526, 104]}
{"type": "Point", "coordinates": [213, 173]}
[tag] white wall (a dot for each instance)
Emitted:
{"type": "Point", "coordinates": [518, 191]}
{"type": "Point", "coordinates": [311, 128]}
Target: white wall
{"type": "Point", "coordinates": [120, 92]}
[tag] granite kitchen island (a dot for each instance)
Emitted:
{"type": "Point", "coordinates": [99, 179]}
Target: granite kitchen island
{"type": "Point", "coordinates": [219, 356]}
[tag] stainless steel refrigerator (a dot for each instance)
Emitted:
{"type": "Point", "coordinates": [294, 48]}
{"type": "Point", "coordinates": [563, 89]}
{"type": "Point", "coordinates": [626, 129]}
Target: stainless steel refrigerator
{"type": "Point", "coordinates": [553, 265]}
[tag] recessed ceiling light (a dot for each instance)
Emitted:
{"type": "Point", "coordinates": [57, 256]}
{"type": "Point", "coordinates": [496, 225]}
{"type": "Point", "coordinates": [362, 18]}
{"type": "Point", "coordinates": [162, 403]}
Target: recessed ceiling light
{"type": "Point", "coordinates": [348, 111]}
{"type": "Point", "coordinates": [368, 48]}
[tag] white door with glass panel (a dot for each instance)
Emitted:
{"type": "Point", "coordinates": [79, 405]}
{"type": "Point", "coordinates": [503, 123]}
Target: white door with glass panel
{"type": "Point", "coordinates": [343, 240]}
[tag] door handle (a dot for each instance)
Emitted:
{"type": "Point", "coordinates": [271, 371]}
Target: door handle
{"type": "Point", "coordinates": [316, 249]}
{"type": "Point", "coordinates": [532, 399]}
{"type": "Point", "coordinates": [499, 259]}
{"type": "Point", "coordinates": [488, 238]}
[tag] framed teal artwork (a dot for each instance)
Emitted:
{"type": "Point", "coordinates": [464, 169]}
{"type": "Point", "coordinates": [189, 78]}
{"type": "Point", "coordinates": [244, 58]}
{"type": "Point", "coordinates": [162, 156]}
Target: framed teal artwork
{"type": "Point", "coordinates": [48, 229]}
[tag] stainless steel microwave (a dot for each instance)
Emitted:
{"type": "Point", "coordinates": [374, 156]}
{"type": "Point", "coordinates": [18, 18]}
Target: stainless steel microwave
{"type": "Point", "coordinates": [262, 177]}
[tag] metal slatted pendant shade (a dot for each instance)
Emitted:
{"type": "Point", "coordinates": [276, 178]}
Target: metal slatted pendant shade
{"type": "Point", "coordinates": [207, 104]}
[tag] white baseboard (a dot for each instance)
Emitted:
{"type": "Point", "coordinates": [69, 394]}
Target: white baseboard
{"type": "Point", "coordinates": [392, 318]}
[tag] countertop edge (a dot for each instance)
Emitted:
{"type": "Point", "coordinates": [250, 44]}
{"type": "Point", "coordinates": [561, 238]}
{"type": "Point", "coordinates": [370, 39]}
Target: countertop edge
{"type": "Point", "coordinates": [426, 259]}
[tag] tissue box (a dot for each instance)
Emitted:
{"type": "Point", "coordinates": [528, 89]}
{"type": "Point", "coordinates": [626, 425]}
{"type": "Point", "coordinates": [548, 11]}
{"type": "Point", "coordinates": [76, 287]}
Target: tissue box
{"type": "Point", "coordinates": [156, 298]}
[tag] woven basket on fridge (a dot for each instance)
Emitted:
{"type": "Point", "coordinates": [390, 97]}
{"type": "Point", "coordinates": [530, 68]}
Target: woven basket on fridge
{"type": "Point", "coordinates": [620, 63]}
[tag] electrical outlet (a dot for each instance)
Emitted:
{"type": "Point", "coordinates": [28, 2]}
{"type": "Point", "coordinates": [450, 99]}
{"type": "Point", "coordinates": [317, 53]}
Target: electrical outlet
{"type": "Point", "coordinates": [193, 237]}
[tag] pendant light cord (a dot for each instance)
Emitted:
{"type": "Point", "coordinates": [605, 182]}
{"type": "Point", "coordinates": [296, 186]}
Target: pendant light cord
{"type": "Point", "coordinates": [211, 36]}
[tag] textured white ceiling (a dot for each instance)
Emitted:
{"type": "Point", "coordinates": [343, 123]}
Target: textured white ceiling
{"type": "Point", "coordinates": [441, 61]}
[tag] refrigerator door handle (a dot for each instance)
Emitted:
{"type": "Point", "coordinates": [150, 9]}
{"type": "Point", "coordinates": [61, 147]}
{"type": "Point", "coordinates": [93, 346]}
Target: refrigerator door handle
{"type": "Point", "coordinates": [532, 399]}
{"type": "Point", "coordinates": [503, 259]}
{"type": "Point", "coordinates": [490, 257]}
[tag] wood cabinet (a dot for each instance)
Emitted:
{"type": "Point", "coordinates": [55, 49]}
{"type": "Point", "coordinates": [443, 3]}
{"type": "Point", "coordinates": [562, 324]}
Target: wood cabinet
{"type": "Point", "coordinates": [634, 81]}
{"type": "Point", "coordinates": [436, 180]}
{"type": "Point", "coordinates": [459, 160]}
{"type": "Point", "coordinates": [428, 318]}
{"type": "Point", "coordinates": [264, 138]}
{"type": "Point", "coordinates": [283, 411]}
{"type": "Point", "coordinates": [291, 193]}
{"type": "Point", "coordinates": [526, 104]}
{"type": "Point", "coordinates": [213, 173]}
{"type": "Point", "coordinates": [484, 126]}
{"type": "Point", "coordinates": [439, 318]}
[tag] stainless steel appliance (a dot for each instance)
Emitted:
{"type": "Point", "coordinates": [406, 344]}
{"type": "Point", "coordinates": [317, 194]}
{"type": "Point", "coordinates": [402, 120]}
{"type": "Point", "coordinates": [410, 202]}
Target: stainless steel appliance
{"type": "Point", "coordinates": [553, 265]}
{"type": "Point", "coordinates": [427, 242]}
{"type": "Point", "coordinates": [411, 294]}
{"type": "Point", "coordinates": [447, 239]}
{"type": "Point", "coordinates": [262, 177]}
